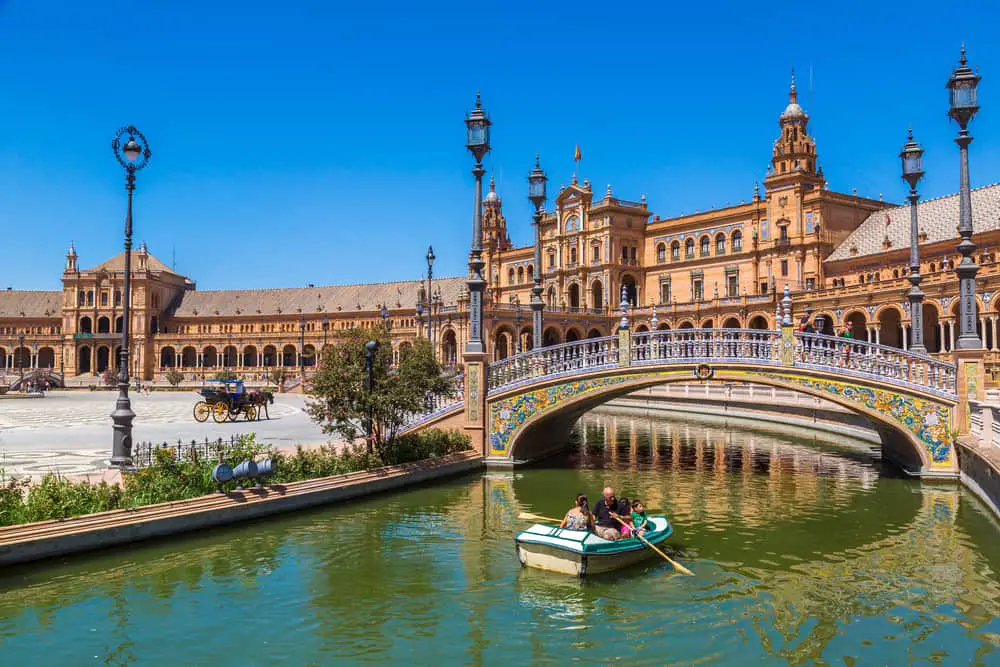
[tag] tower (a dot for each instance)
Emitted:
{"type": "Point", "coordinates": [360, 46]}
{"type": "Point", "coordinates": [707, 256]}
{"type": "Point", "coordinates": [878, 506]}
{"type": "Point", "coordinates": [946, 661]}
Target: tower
{"type": "Point", "coordinates": [494, 224]}
{"type": "Point", "coordinates": [71, 259]}
{"type": "Point", "coordinates": [793, 158]}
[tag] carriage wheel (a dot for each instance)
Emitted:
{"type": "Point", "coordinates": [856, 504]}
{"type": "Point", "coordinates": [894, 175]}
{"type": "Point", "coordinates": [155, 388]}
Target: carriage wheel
{"type": "Point", "coordinates": [201, 411]}
{"type": "Point", "coordinates": [220, 411]}
{"type": "Point", "coordinates": [251, 413]}
{"type": "Point", "coordinates": [234, 412]}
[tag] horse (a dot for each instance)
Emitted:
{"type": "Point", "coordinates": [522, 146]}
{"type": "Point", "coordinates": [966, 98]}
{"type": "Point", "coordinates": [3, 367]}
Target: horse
{"type": "Point", "coordinates": [260, 400]}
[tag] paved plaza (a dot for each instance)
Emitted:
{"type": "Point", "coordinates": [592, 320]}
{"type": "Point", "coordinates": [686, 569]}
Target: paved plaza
{"type": "Point", "coordinates": [70, 432]}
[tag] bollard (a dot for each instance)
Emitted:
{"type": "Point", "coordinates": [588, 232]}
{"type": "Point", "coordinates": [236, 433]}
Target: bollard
{"type": "Point", "coordinates": [221, 474]}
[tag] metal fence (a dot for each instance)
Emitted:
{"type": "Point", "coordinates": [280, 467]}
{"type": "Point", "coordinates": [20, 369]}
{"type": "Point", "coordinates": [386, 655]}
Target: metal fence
{"type": "Point", "coordinates": [144, 453]}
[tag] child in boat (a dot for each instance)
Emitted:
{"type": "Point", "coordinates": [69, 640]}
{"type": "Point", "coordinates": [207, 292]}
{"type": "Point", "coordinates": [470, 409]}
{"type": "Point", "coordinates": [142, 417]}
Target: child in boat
{"type": "Point", "coordinates": [625, 512]}
{"type": "Point", "coordinates": [640, 522]}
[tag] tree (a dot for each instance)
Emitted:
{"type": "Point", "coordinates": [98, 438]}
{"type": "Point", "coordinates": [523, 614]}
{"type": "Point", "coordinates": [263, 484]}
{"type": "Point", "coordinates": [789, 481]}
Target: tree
{"type": "Point", "coordinates": [277, 376]}
{"type": "Point", "coordinates": [174, 377]}
{"type": "Point", "coordinates": [109, 377]}
{"type": "Point", "coordinates": [340, 402]}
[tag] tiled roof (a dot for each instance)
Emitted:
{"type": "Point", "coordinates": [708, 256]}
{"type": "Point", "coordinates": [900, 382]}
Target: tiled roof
{"type": "Point", "coordinates": [332, 299]}
{"type": "Point", "coordinates": [117, 263]}
{"type": "Point", "coordinates": [31, 303]}
{"type": "Point", "coordinates": [938, 218]}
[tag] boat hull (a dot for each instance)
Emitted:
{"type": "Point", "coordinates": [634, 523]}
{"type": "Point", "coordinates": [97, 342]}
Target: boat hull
{"type": "Point", "coordinates": [581, 554]}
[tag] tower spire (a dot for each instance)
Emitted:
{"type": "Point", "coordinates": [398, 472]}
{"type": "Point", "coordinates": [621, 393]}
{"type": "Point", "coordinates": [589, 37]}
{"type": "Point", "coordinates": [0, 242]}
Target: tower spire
{"type": "Point", "coordinates": [793, 96]}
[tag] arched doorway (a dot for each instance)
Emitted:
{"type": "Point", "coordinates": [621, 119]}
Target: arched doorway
{"type": "Point", "coordinates": [501, 348]}
{"type": "Point", "coordinates": [708, 324]}
{"type": "Point", "coordinates": [103, 325]}
{"type": "Point", "coordinates": [449, 348]}
{"type": "Point", "coordinates": [229, 357]}
{"type": "Point", "coordinates": [573, 294]}
{"type": "Point", "coordinates": [890, 328]}
{"type": "Point", "coordinates": [686, 325]}
{"type": "Point", "coordinates": [572, 335]}
{"type": "Point", "coordinates": [526, 339]}
{"type": "Point", "coordinates": [731, 323]}
{"type": "Point", "coordinates": [168, 357]}
{"type": "Point", "coordinates": [823, 323]}
{"type": "Point", "coordinates": [597, 295]}
{"type": "Point", "coordinates": [595, 333]}
{"type": "Point", "coordinates": [250, 356]}
{"type": "Point", "coordinates": [46, 358]}
{"type": "Point", "coordinates": [83, 360]}
{"type": "Point", "coordinates": [309, 355]}
{"type": "Point", "coordinates": [758, 322]}
{"type": "Point", "coordinates": [86, 326]}
{"type": "Point", "coordinates": [550, 297]}
{"type": "Point", "coordinates": [209, 357]}
{"type": "Point", "coordinates": [288, 356]}
{"type": "Point", "coordinates": [103, 357]}
{"type": "Point", "coordinates": [270, 356]}
{"type": "Point", "coordinates": [118, 324]}
{"type": "Point", "coordinates": [550, 337]}
{"type": "Point", "coordinates": [189, 357]}
{"type": "Point", "coordinates": [932, 332]}
{"type": "Point", "coordinates": [663, 326]}
{"type": "Point", "coordinates": [641, 328]}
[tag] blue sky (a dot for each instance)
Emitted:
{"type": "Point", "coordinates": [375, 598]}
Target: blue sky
{"type": "Point", "coordinates": [322, 142]}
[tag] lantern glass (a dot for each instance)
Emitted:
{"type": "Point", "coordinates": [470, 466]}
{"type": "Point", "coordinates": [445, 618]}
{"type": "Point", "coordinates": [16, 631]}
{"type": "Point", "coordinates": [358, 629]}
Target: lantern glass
{"type": "Point", "coordinates": [912, 163]}
{"type": "Point", "coordinates": [478, 132]}
{"type": "Point", "coordinates": [430, 256]}
{"type": "Point", "coordinates": [132, 150]}
{"type": "Point", "coordinates": [963, 94]}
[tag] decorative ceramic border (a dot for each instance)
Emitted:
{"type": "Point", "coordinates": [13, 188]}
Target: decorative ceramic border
{"type": "Point", "coordinates": [928, 421]}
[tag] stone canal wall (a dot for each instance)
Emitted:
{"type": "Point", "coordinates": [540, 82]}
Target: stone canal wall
{"type": "Point", "coordinates": [47, 539]}
{"type": "Point", "coordinates": [757, 403]}
{"type": "Point", "coordinates": [980, 471]}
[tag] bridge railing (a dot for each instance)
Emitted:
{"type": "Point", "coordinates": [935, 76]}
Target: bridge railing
{"type": "Point", "coordinates": [553, 361]}
{"type": "Point", "coordinates": [437, 405]}
{"type": "Point", "coordinates": [878, 362]}
{"type": "Point", "coordinates": [696, 345]}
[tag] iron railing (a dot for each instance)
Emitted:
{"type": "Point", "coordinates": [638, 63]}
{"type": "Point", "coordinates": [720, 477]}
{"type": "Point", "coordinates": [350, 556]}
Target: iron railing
{"type": "Point", "coordinates": [144, 453]}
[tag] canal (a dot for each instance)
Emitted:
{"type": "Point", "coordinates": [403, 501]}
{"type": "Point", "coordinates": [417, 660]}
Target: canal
{"type": "Point", "coordinates": [805, 552]}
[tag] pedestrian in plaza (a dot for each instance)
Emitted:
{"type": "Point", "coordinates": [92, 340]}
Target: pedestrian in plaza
{"type": "Point", "coordinates": [848, 335]}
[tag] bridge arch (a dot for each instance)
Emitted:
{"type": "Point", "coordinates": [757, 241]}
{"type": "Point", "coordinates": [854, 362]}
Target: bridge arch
{"type": "Point", "coordinates": [533, 438]}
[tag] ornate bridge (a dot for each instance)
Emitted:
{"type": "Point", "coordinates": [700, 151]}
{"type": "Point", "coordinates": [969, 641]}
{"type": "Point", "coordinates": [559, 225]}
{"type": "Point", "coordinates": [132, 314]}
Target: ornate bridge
{"type": "Point", "coordinates": [533, 398]}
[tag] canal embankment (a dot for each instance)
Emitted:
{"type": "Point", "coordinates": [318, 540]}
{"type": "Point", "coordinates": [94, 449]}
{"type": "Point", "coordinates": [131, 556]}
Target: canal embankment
{"type": "Point", "coordinates": [767, 408]}
{"type": "Point", "coordinates": [36, 541]}
{"type": "Point", "coordinates": [979, 453]}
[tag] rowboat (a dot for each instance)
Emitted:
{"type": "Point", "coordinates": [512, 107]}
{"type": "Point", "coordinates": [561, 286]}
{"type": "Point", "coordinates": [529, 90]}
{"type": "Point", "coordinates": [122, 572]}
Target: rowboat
{"type": "Point", "coordinates": [583, 553]}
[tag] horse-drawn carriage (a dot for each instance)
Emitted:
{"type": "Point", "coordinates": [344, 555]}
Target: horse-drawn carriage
{"type": "Point", "coordinates": [229, 400]}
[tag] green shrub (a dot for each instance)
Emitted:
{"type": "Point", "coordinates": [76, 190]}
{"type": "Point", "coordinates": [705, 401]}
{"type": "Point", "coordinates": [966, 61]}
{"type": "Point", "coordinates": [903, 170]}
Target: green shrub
{"type": "Point", "coordinates": [56, 497]}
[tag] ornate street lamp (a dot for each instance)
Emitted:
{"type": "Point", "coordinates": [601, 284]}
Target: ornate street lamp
{"type": "Point", "coordinates": [302, 348]}
{"type": "Point", "coordinates": [962, 87]}
{"type": "Point", "coordinates": [536, 193]}
{"type": "Point", "coordinates": [913, 171]}
{"type": "Point", "coordinates": [20, 359]}
{"type": "Point", "coordinates": [133, 156]}
{"type": "Point", "coordinates": [477, 126]}
{"type": "Point", "coordinates": [420, 314]}
{"type": "Point", "coordinates": [370, 348]}
{"type": "Point", "coordinates": [326, 328]}
{"type": "Point", "coordinates": [430, 277]}
{"type": "Point", "coordinates": [517, 324]}
{"type": "Point", "coordinates": [434, 315]}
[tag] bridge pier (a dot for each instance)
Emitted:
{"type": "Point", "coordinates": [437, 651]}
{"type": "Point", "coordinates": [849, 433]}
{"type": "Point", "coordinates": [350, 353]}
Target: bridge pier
{"type": "Point", "coordinates": [475, 400]}
{"type": "Point", "coordinates": [970, 381]}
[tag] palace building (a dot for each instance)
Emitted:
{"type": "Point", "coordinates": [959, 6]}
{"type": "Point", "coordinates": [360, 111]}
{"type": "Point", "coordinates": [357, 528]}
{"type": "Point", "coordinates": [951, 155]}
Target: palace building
{"type": "Point", "coordinates": [844, 257]}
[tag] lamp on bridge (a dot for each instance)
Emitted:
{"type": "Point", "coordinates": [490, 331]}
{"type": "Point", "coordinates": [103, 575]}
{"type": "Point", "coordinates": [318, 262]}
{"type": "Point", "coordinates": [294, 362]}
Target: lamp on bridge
{"type": "Point", "coordinates": [20, 359]}
{"type": "Point", "coordinates": [536, 193]}
{"type": "Point", "coordinates": [962, 86]}
{"type": "Point", "coordinates": [430, 311]}
{"type": "Point", "coordinates": [477, 125]}
{"type": "Point", "coordinates": [913, 171]}
{"type": "Point", "coordinates": [132, 156]}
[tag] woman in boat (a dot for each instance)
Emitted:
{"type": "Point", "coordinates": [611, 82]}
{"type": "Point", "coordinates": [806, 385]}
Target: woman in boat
{"type": "Point", "coordinates": [579, 517]}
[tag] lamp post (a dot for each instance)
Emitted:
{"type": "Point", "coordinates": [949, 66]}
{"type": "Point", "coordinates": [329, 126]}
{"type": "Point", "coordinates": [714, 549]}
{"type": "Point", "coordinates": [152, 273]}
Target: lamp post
{"type": "Point", "coordinates": [133, 156]}
{"type": "Point", "coordinates": [517, 324]}
{"type": "Point", "coordinates": [20, 359]}
{"type": "Point", "coordinates": [536, 193]}
{"type": "Point", "coordinates": [385, 318]}
{"type": "Point", "coordinates": [370, 348]}
{"type": "Point", "coordinates": [962, 86]}
{"type": "Point", "coordinates": [420, 315]}
{"type": "Point", "coordinates": [302, 348]}
{"type": "Point", "coordinates": [913, 171]}
{"type": "Point", "coordinates": [477, 126]}
{"type": "Point", "coordinates": [430, 311]}
{"type": "Point", "coordinates": [326, 328]}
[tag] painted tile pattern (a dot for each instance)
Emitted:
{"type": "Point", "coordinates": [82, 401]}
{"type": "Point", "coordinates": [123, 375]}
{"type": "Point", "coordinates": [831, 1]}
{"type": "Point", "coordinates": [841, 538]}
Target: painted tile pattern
{"type": "Point", "coordinates": [927, 420]}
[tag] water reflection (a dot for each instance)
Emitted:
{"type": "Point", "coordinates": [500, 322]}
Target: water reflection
{"type": "Point", "coordinates": [805, 553]}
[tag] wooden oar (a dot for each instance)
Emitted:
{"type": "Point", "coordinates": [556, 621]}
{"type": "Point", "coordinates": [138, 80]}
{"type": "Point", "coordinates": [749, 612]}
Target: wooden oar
{"type": "Point", "coordinates": [528, 516]}
{"type": "Point", "coordinates": [677, 566]}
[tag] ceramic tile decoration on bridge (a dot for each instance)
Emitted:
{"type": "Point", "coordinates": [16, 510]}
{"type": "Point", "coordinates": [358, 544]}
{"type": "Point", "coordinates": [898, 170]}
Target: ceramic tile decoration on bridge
{"type": "Point", "coordinates": [910, 397]}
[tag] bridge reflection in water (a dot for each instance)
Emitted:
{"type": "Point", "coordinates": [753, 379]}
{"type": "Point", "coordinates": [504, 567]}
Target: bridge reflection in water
{"type": "Point", "coordinates": [804, 553]}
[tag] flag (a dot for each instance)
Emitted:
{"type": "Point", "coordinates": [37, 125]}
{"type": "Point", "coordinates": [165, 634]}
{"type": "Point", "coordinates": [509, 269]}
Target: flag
{"type": "Point", "coordinates": [577, 155]}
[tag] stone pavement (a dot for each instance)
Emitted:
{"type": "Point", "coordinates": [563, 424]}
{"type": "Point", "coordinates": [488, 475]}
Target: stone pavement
{"type": "Point", "coordinates": [70, 432]}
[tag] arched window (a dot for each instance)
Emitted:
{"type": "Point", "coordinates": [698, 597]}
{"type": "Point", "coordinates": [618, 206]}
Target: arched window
{"type": "Point", "coordinates": [572, 255]}
{"type": "Point", "coordinates": [720, 244]}
{"type": "Point", "coordinates": [531, 271]}
{"type": "Point", "coordinates": [573, 223]}
{"type": "Point", "coordinates": [510, 277]}
{"type": "Point", "coordinates": [737, 241]}
{"type": "Point", "coordinates": [596, 250]}
{"type": "Point", "coordinates": [689, 248]}
{"type": "Point", "coordinates": [661, 253]}
{"type": "Point", "coordinates": [675, 251]}
{"type": "Point", "coordinates": [520, 275]}
{"type": "Point", "coordinates": [705, 246]}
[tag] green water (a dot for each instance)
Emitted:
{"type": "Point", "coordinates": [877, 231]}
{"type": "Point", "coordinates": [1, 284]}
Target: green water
{"type": "Point", "coordinates": [804, 553]}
